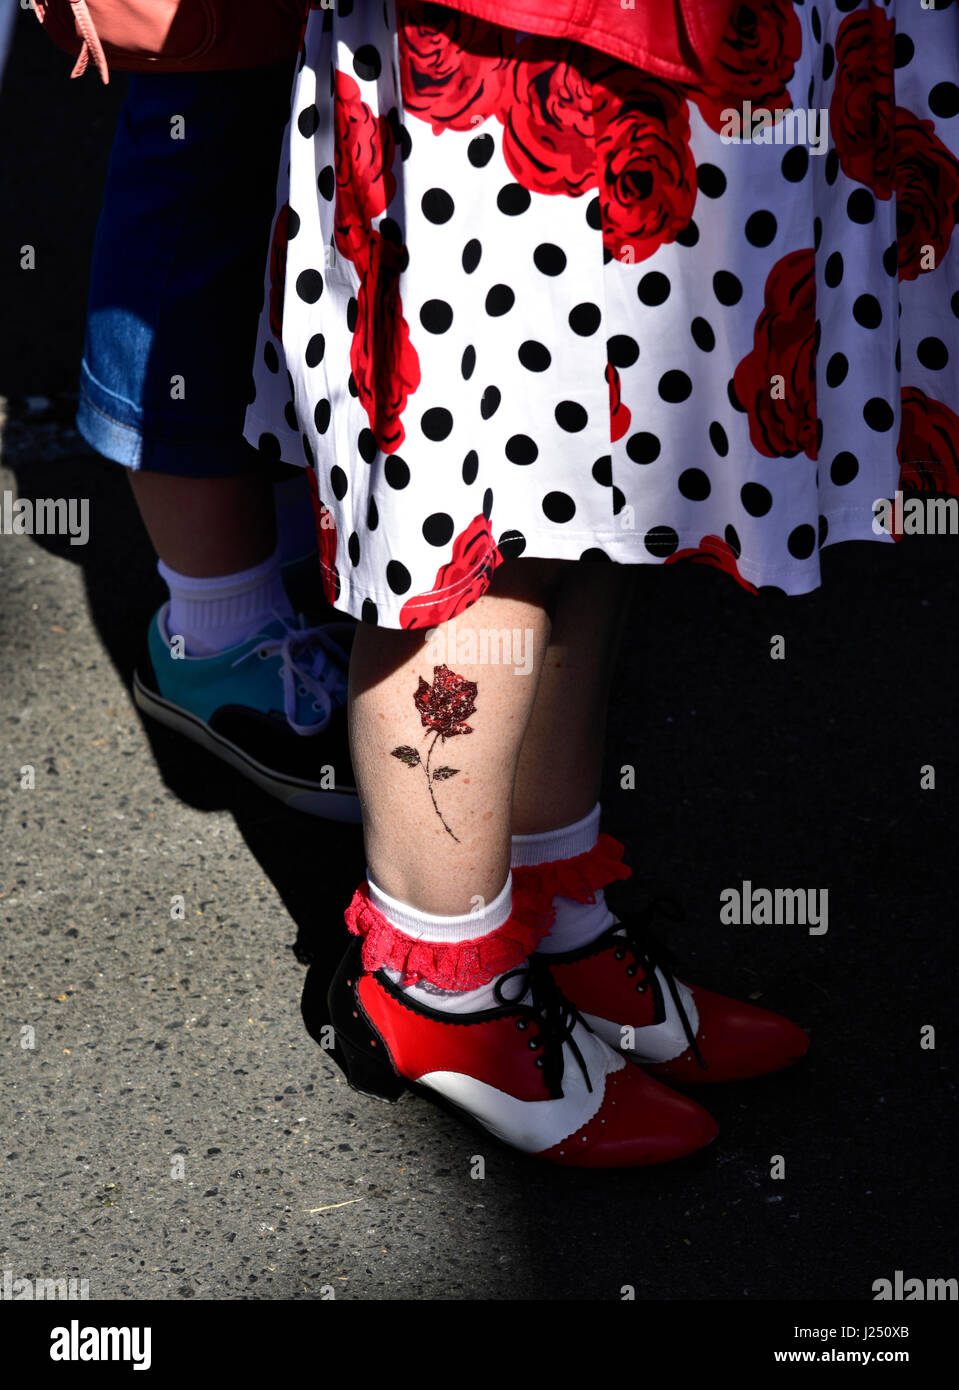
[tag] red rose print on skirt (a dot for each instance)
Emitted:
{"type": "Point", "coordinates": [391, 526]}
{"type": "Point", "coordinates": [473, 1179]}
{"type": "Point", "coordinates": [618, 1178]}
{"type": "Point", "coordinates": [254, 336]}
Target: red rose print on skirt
{"type": "Point", "coordinates": [927, 195]}
{"type": "Point", "coordinates": [460, 582]}
{"type": "Point", "coordinates": [862, 108]}
{"type": "Point", "coordinates": [619, 416]}
{"type": "Point", "coordinates": [386, 367]}
{"type": "Point", "coordinates": [713, 551]}
{"type": "Point", "coordinates": [326, 538]}
{"type": "Point", "coordinates": [782, 414]}
{"type": "Point", "coordinates": [755, 60]}
{"type": "Point", "coordinates": [928, 446]}
{"type": "Point", "coordinates": [647, 173]}
{"type": "Point", "coordinates": [363, 152]}
{"type": "Point", "coordinates": [278, 270]}
{"type": "Point", "coordinates": [548, 118]}
{"type": "Point", "coordinates": [452, 67]}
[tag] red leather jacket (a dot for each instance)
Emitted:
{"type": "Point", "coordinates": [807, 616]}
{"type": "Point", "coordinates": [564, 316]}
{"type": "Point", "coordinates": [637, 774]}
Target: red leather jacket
{"type": "Point", "coordinates": [671, 38]}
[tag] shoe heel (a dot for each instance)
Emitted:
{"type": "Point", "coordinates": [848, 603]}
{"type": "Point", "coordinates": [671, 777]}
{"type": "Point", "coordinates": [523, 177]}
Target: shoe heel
{"type": "Point", "coordinates": [360, 1051]}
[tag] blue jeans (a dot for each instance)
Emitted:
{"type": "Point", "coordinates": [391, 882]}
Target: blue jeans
{"type": "Point", "coordinates": [178, 269]}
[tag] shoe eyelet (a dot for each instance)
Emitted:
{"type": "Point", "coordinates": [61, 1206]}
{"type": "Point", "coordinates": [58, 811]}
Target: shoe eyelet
{"type": "Point", "coordinates": [262, 655]}
{"type": "Point", "coordinates": [539, 1061]}
{"type": "Point", "coordinates": [620, 954]}
{"type": "Point", "coordinates": [641, 989]}
{"type": "Point", "coordinates": [301, 690]}
{"type": "Point", "coordinates": [316, 707]}
{"type": "Point", "coordinates": [522, 1024]}
{"type": "Point", "coordinates": [533, 1044]}
{"type": "Point", "coordinates": [631, 969]}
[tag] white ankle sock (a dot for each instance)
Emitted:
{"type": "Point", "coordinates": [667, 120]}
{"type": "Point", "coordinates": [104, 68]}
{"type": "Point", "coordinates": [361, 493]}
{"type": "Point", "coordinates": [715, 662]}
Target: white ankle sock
{"type": "Point", "coordinates": [427, 926]}
{"type": "Point", "coordinates": [213, 614]}
{"type": "Point", "coordinates": [576, 923]}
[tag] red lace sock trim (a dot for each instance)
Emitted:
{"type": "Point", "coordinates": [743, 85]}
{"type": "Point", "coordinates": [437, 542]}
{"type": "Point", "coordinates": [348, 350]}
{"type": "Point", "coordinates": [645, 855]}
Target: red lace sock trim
{"type": "Point", "coordinates": [580, 877]}
{"type": "Point", "coordinates": [453, 965]}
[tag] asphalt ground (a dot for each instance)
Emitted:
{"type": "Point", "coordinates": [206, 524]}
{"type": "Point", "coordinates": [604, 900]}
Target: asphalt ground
{"type": "Point", "coordinates": [156, 1040]}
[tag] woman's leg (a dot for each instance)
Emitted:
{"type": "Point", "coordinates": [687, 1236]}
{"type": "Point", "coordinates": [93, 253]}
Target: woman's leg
{"type": "Point", "coordinates": [411, 851]}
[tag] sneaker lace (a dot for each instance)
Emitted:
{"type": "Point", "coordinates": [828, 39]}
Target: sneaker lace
{"type": "Point", "coordinates": [650, 953]}
{"type": "Point", "coordinates": [313, 663]}
{"type": "Point", "coordinates": [553, 1016]}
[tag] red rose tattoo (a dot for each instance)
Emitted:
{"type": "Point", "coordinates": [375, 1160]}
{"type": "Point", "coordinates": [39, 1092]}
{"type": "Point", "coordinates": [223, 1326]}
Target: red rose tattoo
{"type": "Point", "coordinates": [862, 108]}
{"type": "Point", "coordinates": [444, 708]}
{"type": "Point", "coordinates": [782, 423]}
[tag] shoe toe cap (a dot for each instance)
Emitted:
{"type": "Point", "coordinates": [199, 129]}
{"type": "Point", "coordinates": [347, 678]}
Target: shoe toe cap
{"type": "Point", "coordinates": [737, 1041]}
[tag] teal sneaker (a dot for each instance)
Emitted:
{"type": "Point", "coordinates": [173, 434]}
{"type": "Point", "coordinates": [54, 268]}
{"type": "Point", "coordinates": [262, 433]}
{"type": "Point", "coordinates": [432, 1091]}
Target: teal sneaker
{"type": "Point", "coordinates": [273, 707]}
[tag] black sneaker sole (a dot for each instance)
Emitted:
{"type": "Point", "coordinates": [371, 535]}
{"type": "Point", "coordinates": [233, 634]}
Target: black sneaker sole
{"type": "Point", "coordinates": [339, 804]}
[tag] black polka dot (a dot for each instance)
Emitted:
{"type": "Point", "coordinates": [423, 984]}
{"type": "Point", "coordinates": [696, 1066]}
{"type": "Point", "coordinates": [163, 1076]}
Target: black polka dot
{"type": "Point", "coordinates": [490, 402]}
{"type": "Point", "coordinates": [878, 414]}
{"type": "Point", "coordinates": [549, 259]}
{"type": "Point", "coordinates": [603, 471]}
{"type": "Point", "coordinates": [717, 438]}
{"type": "Point", "coordinates": [760, 228]}
{"type": "Point", "coordinates": [903, 48]}
{"type": "Point", "coordinates": [398, 577]}
{"type": "Point", "coordinates": [534, 356]}
{"type": "Point", "coordinates": [622, 350]}
{"type": "Point", "coordinates": [436, 423]}
{"type": "Point", "coordinates": [954, 304]}
{"type": "Point", "coordinates": [823, 531]}
{"type": "Point", "coordinates": [661, 541]}
{"type": "Point", "coordinates": [309, 286]}
{"type": "Point", "coordinates": [584, 319]}
{"type": "Point", "coordinates": [734, 400]}
{"type": "Point", "coordinates": [472, 252]}
{"type": "Point", "coordinates": [307, 122]}
{"type": "Point", "coordinates": [391, 231]}
{"type": "Point", "coordinates": [307, 450]}
{"type": "Point", "coordinates": [315, 349]}
{"type": "Point", "coordinates": [511, 544]}
{"type": "Point", "coordinates": [594, 555]}
{"type": "Point", "coordinates": [890, 260]}
{"type": "Point", "coordinates": [944, 100]}
{"type": "Point", "coordinates": [860, 206]}
{"type": "Point", "coordinates": [559, 506]}
{"type": "Point", "coordinates": [289, 415]}
{"type": "Point", "coordinates": [521, 449]}
{"type": "Point", "coordinates": [321, 415]}
{"type": "Point", "coordinates": [801, 542]}
{"type": "Point", "coordinates": [326, 182]}
{"type": "Point", "coordinates": [366, 62]}
{"type": "Point", "coordinates": [438, 528]}
{"type": "Point", "coordinates": [727, 287]}
{"type": "Point", "coordinates": [688, 235]}
{"type": "Point", "coordinates": [933, 354]}
{"type": "Point", "coordinates": [844, 467]}
{"type": "Point", "coordinates": [794, 164]}
{"type": "Point", "coordinates": [703, 335]}
{"type": "Point", "coordinates": [251, 392]}
{"type": "Point", "coordinates": [675, 386]}
{"type": "Point", "coordinates": [366, 444]}
{"type": "Point", "coordinates": [396, 472]}
{"type": "Point", "coordinates": [816, 25]}
{"type": "Point", "coordinates": [436, 316]}
{"type": "Point", "coordinates": [499, 301]}
{"type": "Point", "coordinates": [836, 369]}
{"type": "Point", "coordinates": [338, 482]}
{"type": "Point", "coordinates": [755, 498]}
{"type": "Point", "coordinates": [513, 199]}
{"type": "Point", "coordinates": [488, 503]}
{"type": "Point", "coordinates": [643, 447]}
{"type": "Point", "coordinates": [270, 357]}
{"type": "Point", "coordinates": [694, 484]}
{"type": "Point", "coordinates": [832, 167]}
{"type": "Point", "coordinates": [352, 314]}
{"type": "Point", "coordinates": [653, 288]}
{"type": "Point", "coordinates": [816, 232]}
{"type": "Point", "coordinates": [832, 274]}
{"type": "Point", "coordinates": [731, 537]}
{"type": "Point", "coordinates": [710, 180]}
{"type": "Point", "coordinates": [437, 206]}
{"type": "Point", "coordinates": [368, 612]}
{"type": "Point", "coordinates": [594, 215]}
{"type": "Point", "coordinates": [571, 416]}
{"type": "Point", "coordinates": [619, 500]}
{"type": "Point", "coordinates": [269, 447]}
{"type": "Point", "coordinates": [470, 467]}
{"type": "Point", "coordinates": [353, 549]}
{"type": "Point", "coordinates": [866, 311]}
{"type": "Point", "coordinates": [292, 224]}
{"type": "Point", "coordinates": [468, 364]}
{"type": "Point", "coordinates": [479, 152]}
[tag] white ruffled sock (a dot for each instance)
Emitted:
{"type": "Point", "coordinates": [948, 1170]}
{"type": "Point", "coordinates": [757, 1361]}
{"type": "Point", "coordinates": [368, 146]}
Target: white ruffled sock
{"type": "Point", "coordinates": [427, 926]}
{"type": "Point", "coordinates": [576, 923]}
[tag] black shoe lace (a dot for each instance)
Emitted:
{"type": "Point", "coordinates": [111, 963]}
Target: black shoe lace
{"type": "Point", "coordinates": [554, 1018]}
{"type": "Point", "coordinates": [650, 953]}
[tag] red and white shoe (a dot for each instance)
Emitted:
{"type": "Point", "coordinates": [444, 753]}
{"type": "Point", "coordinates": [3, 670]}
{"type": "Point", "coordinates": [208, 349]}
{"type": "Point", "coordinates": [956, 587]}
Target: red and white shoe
{"type": "Point", "coordinates": [625, 991]}
{"type": "Point", "coordinates": [530, 1072]}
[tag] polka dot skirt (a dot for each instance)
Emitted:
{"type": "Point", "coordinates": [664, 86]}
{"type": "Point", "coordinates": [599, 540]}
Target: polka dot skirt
{"type": "Point", "coordinates": [525, 300]}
